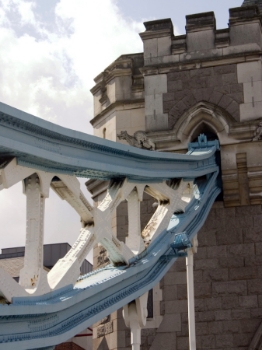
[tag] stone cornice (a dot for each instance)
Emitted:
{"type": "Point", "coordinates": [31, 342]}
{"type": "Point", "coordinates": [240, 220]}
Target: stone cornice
{"type": "Point", "coordinates": [163, 68]}
{"type": "Point", "coordinates": [110, 76]}
{"type": "Point", "coordinates": [136, 103]}
{"type": "Point", "coordinates": [123, 66]}
{"type": "Point", "coordinates": [155, 34]}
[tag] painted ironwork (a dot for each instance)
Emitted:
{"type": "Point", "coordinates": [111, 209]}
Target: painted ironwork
{"type": "Point", "coordinates": [48, 308]}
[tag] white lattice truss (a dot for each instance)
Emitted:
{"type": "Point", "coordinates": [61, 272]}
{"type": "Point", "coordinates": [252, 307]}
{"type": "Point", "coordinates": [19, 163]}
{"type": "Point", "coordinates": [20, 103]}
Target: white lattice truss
{"type": "Point", "coordinates": [96, 224]}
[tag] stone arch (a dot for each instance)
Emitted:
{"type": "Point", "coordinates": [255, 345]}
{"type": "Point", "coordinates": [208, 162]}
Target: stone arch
{"type": "Point", "coordinates": [203, 116]}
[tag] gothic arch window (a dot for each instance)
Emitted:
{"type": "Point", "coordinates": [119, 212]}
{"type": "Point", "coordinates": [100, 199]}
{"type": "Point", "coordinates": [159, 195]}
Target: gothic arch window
{"type": "Point", "coordinates": [204, 129]}
{"type": "Point", "coordinates": [211, 135]}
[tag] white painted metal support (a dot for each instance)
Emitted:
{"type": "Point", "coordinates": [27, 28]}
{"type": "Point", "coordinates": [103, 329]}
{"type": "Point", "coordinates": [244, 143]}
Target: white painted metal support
{"type": "Point", "coordinates": [135, 328]}
{"type": "Point", "coordinates": [190, 295]}
{"type": "Point", "coordinates": [135, 314]}
{"type": "Point", "coordinates": [134, 240]}
{"type": "Point", "coordinates": [32, 276]}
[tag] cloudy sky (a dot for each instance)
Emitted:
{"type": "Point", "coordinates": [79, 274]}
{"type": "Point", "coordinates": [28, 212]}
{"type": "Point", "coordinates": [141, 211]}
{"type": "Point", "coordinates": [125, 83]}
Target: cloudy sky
{"type": "Point", "coordinates": [50, 51]}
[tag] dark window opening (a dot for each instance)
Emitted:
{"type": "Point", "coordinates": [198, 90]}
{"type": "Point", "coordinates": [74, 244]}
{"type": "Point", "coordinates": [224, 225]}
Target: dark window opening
{"type": "Point", "coordinates": [150, 307]}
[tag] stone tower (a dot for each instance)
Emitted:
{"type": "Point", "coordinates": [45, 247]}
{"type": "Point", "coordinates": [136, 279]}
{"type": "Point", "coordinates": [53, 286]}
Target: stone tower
{"type": "Point", "coordinates": [206, 81]}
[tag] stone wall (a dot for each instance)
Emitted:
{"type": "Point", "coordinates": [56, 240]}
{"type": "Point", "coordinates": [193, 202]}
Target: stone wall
{"type": "Point", "coordinates": [217, 85]}
{"type": "Point", "coordinates": [228, 287]}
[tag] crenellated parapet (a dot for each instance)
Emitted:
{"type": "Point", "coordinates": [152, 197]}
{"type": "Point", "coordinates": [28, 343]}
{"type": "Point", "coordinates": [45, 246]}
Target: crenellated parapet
{"type": "Point", "coordinates": [208, 80]}
{"type": "Point", "coordinates": [202, 40]}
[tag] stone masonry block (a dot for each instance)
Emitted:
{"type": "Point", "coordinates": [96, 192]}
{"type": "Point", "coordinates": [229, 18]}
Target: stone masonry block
{"type": "Point", "coordinates": [233, 109]}
{"type": "Point", "coordinates": [242, 340]}
{"type": "Point", "coordinates": [215, 275]}
{"type": "Point", "coordinates": [224, 340]}
{"type": "Point", "coordinates": [253, 261]}
{"type": "Point", "coordinates": [258, 248]}
{"type": "Point", "coordinates": [173, 86]}
{"type": "Point", "coordinates": [249, 71]}
{"type": "Point", "coordinates": [221, 315]}
{"type": "Point", "coordinates": [227, 288]}
{"type": "Point", "coordinates": [206, 264]}
{"type": "Point", "coordinates": [256, 313]}
{"type": "Point", "coordinates": [216, 252]}
{"type": "Point", "coordinates": [180, 265]}
{"type": "Point", "coordinates": [226, 69]}
{"type": "Point", "coordinates": [203, 290]}
{"type": "Point", "coordinates": [155, 84]}
{"type": "Point", "coordinates": [173, 278]}
{"type": "Point", "coordinates": [207, 238]}
{"type": "Point", "coordinates": [236, 261]}
{"type": "Point", "coordinates": [182, 343]}
{"type": "Point", "coordinates": [201, 253]}
{"type": "Point", "coordinates": [181, 292]}
{"type": "Point", "coordinates": [238, 97]}
{"type": "Point", "coordinates": [168, 97]}
{"type": "Point", "coordinates": [214, 303]}
{"type": "Point", "coordinates": [231, 326]}
{"type": "Point", "coordinates": [229, 78]}
{"type": "Point", "coordinates": [257, 220]}
{"type": "Point", "coordinates": [244, 250]}
{"type": "Point", "coordinates": [236, 88]}
{"type": "Point", "coordinates": [205, 316]}
{"type": "Point", "coordinates": [249, 326]}
{"type": "Point", "coordinates": [254, 286]}
{"type": "Point", "coordinates": [208, 342]}
{"type": "Point", "coordinates": [215, 327]}
{"type": "Point", "coordinates": [170, 293]}
{"type": "Point", "coordinates": [252, 234]}
{"type": "Point", "coordinates": [204, 72]}
{"type": "Point", "coordinates": [250, 210]}
{"type": "Point", "coordinates": [229, 236]}
{"type": "Point", "coordinates": [176, 306]}
{"type": "Point", "coordinates": [163, 341]}
{"type": "Point", "coordinates": [214, 81]}
{"type": "Point", "coordinates": [215, 97]}
{"type": "Point", "coordinates": [230, 302]}
{"type": "Point", "coordinates": [200, 304]}
{"type": "Point", "coordinates": [170, 323]}
{"type": "Point", "coordinates": [206, 93]}
{"type": "Point", "coordinates": [242, 273]}
{"type": "Point", "coordinates": [202, 328]}
{"type": "Point", "coordinates": [241, 314]}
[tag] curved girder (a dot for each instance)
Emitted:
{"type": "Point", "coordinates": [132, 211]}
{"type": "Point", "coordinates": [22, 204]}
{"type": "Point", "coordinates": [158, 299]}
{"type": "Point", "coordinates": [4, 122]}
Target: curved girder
{"type": "Point", "coordinates": [42, 321]}
{"type": "Point", "coordinates": [43, 145]}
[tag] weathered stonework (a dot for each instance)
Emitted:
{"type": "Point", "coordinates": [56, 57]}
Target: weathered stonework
{"type": "Point", "coordinates": [228, 284]}
{"type": "Point", "coordinates": [206, 81]}
{"type": "Point", "coordinates": [216, 85]}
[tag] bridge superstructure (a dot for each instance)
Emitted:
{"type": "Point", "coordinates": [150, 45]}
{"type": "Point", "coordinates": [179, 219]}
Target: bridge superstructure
{"type": "Point", "coordinates": [45, 309]}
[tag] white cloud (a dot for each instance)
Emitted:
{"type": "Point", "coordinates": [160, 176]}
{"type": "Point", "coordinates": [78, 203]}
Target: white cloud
{"type": "Point", "coordinates": [49, 74]}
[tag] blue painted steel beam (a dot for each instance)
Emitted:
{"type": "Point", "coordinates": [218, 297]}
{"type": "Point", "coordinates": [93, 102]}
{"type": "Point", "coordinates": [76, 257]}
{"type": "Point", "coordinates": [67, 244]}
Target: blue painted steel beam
{"type": "Point", "coordinates": [43, 145]}
{"type": "Point", "coordinates": [35, 322]}
{"type": "Point", "coordinates": [44, 321]}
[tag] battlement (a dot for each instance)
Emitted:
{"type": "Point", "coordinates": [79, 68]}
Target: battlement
{"type": "Point", "coordinates": [202, 40]}
{"type": "Point", "coordinates": [203, 45]}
